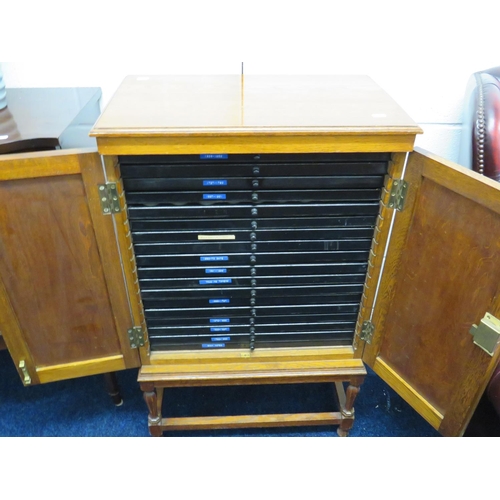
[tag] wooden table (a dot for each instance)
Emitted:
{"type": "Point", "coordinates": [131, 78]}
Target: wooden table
{"type": "Point", "coordinates": [40, 119]}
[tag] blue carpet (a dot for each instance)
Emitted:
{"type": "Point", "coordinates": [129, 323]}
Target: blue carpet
{"type": "Point", "coordinates": [82, 407]}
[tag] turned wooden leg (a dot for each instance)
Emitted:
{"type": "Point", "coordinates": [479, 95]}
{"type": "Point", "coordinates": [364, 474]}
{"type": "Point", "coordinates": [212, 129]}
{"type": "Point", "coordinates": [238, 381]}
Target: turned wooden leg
{"type": "Point", "coordinates": [113, 388]}
{"type": "Point", "coordinates": [346, 401]}
{"type": "Point", "coordinates": [154, 406]}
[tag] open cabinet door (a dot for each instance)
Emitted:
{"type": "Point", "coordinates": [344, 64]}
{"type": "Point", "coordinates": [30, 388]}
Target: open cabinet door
{"type": "Point", "coordinates": [440, 277]}
{"type": "Point", "coordinates": [64, 309]}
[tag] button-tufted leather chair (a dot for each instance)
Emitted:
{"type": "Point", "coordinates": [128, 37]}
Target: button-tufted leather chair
{"type": "Point", "coordinates": [480, 151]}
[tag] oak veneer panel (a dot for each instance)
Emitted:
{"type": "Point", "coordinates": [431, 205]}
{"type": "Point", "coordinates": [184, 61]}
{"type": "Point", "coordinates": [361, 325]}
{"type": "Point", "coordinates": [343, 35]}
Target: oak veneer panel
{"type": "Point", "coordinates": [52, 272]}
{"type": "Point", "coordinates": [442, 298]}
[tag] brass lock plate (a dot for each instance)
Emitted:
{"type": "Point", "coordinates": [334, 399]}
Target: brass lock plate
{"type": "Point", "coordinates": [487, 333]}
{"type": "Point", "coordinates": [24, 371]}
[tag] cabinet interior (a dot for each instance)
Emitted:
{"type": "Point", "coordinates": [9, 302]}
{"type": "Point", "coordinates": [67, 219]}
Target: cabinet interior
{"type": "Point", "coordinates": [247, 251]}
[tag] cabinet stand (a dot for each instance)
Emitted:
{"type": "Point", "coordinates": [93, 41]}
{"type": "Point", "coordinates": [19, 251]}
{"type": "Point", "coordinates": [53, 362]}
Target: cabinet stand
{"type": "Point", "coordinates": [153, 385]}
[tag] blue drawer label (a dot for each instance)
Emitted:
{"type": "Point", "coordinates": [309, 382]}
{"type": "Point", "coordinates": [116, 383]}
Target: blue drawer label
{"type": "Point", "coordinates": [214, 258]}
{"type": "Point", "coordinates": [212, 346]}
{"type": "Point", "coordinates": [220, 320]}
{"type": "Point", "coordinates": [220, 329]}
{"type": "Point", "coordinates": [219, 301]}
{"type": "Point", "coordinates": [215, 182]}
{"type": "Point", "coordinates": [213, 157]}
{"type": "Point", "coordinates": [215, 270]}
{"type": "Point", "coordinates": [225, 281]}
{"type": "Point", "coordinates": [220, 339]}
{"type": "Point", "coordinates": [214, 196]}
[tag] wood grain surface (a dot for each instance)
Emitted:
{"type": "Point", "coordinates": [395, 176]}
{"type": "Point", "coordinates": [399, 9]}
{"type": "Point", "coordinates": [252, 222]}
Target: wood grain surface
{"type": "Point", "coordinates": [254, 114]}
{"type": "Point", "coordinates": [443, 276]}
{"type": "Point", "coordinates": [180, 105]}
{"type": "Point", "coordinates": [52, 272]}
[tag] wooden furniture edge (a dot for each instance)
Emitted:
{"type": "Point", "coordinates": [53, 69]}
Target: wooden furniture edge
{"type": "Point", "coordinates": [379, 246]}
{"type": "Point", "coordinates": [241, 374]}
{"type": "Point", "coordinates": [107, 242]}
{"type": "Point", "coordinates": [13, 337]}
{"type": "Point", "coordinates": [245, 132]}
{"type": "Point", "coordinates": [249, 421]}
{"type": "Point", "coordinates": [237, 355]}
{"type": "Point", "coordinates": [48, 164]}
{"type": "Point", "coordinates": [81, 368]}
{"type": "Point", "coordinates": [401, 225]}
{"type": "Point", "coordinates": [423, 407]}
{"type": "Point", "coordinates": [128, 262]}
{"type": "Point", "coordinates": [293, 143]}
{"type": "Point", "coordinates": [437, 172]}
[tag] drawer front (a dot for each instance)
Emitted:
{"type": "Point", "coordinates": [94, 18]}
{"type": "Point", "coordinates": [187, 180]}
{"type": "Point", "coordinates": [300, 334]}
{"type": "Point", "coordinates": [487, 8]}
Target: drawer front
{"type": "Point", "coordinates": [241, 298]}
{"type": "Point", "coordinates": [344, 272]}
{"type": "Point", "coordinates": [338, 251]}
{"type": "Point", "coordinates": [145, 225]}
{"type": "Point", "coordinates": [251, 281]}
{"type": "Point", "coordinates": [249, 251]}
{"type": "Point", "coordinates": [227, 197]}
{"type": "Point", "coordinates": [293, 210]}
{"type": "Point", "coordinates": [351, 234]}
{"type": "Point", "coordinates": [188, 166]}
{"type": "Point", "coordinates": [226, 183]}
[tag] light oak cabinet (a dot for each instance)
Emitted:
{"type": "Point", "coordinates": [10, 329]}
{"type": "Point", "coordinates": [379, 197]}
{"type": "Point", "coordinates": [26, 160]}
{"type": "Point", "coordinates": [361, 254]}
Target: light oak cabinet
{"type": "Point", "coordinates": [421, 278]}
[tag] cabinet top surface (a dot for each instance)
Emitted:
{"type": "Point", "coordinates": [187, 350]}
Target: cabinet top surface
{"type": "Point", "coordinates": [253, 104]}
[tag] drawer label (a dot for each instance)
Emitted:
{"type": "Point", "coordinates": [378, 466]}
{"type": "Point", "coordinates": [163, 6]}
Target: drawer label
{"type": "Point", "coordinates": [225, 281]}
{"type": "Point", "coordinates": [214, 196]}
{"type": "Point", "coordinates": [215, 270]}
{"type": "Point", "coordinates": [214, 258]}
{"type": "Point", "coordinates": [220, 320]}
{"type": "Point", "coordinates": [215, 182]}
{"type": "Point", "coordinates": [220, 329]}
{"type": "Point", "coordinates": [216, 237]}
{"type": "Point", "coordinates": [219, 301]}
{"type": "Point", "coordinates": [214, 157]}
{"type": "Point", "coordinates": [220, 339]}
{"type": "Point", "coordinates": [212, 346]}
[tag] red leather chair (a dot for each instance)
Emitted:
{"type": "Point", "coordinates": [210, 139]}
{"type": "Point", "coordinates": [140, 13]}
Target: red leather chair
{"type": "Point", "coordinates": [480, 150]}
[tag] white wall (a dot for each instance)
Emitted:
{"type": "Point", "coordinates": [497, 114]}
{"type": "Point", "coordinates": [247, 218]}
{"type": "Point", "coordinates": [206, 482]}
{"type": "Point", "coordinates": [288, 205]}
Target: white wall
{"type": "Point", "coordinates": [422, 53]}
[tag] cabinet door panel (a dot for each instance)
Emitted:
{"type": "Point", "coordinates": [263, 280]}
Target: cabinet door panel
{"type": "Point", "coordinates": [54, 279]}
{"type": "Point", "coordinates": [441, 277]}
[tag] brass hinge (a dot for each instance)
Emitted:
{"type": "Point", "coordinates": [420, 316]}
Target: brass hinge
{"type": "Point", "coordinates": [136, 337]}
{"type": "Point", "coordinates": [108, 194]}
{"type": "Point", "coordinates": [397, 196]}
{"type": "Point", "coordinates": [367, 329]}
{"type": "Point", "coordinates": [24, 371]}
{"type": "Point", "coordinates": [487, 333]}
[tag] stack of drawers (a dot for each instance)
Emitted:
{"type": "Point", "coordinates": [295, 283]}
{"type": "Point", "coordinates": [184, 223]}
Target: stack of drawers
{"type": "Point", "coordinates": [247, 251]}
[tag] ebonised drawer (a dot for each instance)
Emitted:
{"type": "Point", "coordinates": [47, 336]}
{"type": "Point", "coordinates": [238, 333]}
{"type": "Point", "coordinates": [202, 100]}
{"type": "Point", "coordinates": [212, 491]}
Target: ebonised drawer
{"type": "Point", "coordinates": [249, 251]}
